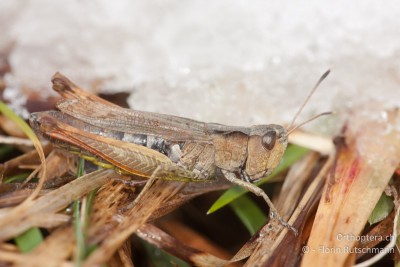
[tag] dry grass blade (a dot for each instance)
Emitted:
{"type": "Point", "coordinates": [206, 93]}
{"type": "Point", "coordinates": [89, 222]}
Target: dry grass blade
{"type": "Point", "coordinates": [15, 141]}
{"type": "Point", "coordinates": [168, 243]}
{"type": "Point", "coordinates": [134, 218]}
{"type": "Point", "coordinates": [191, 238]}
{"type": "Point", "coordinates": [384, 229]}
{"type": "Point", "coordinates": [297, 179]}
{"type": "Point", "coordinates": [24, 216]}
{"type": "Point", "coordinates": [277, 248]}
{"type": "Point", "coordinates": [123, 257]}
{"type": "Point", "coordinates": [316, 143]}
{"type": "Point", "coordinates": [109, 206]}
{"type": "Point", "coordinates": [367, 157]}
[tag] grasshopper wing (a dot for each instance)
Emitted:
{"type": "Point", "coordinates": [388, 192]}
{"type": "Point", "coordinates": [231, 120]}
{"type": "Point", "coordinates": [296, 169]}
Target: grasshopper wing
{"type": "Point", "coordinates": [168, 127]}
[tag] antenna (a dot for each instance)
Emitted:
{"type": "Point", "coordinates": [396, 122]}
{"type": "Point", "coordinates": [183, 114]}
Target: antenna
{"type": "Point", "coordinates": [290, 128]}
{"type": "Point", "coordinates": [307, 121]}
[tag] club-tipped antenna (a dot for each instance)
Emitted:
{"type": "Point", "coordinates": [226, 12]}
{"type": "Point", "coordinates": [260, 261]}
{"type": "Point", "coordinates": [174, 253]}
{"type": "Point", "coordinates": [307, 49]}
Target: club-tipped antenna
{"type": "Point", "coordinates": [290, 128]}
{"type": "Point", "coordinates": [307, 121]}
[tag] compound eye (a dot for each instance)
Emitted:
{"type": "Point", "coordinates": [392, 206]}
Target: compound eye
{"type": "Point", "coordinates": [268, 140]}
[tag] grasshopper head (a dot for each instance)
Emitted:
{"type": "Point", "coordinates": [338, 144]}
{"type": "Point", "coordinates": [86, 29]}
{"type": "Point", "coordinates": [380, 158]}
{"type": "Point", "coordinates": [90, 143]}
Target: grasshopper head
{"type": "Point", "coordinates": [267, 143]}
{"type": "Point", "coordinates": [265, 149]}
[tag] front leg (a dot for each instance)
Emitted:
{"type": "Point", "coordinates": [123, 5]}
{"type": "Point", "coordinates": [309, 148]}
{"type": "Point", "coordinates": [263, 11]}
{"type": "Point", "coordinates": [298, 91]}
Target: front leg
{"type": "Point", "coordinates": [273, 214]}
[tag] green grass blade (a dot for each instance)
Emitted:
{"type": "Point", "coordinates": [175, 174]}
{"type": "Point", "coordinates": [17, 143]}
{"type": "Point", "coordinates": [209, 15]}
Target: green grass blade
{"type": "Point", "coordinates": [80, 250]}
{"type": "Point", "coordinates": [79, 227]}
{"type": "Point", "coordinates": [89, 206]}
{"type": "Point", "coordinates": [16, 178]}
{"type": "Point", "coordinates": [160, 258]}
{"type": "Point", "coordinates": [293, 153]}
{"type": "Point", "coordinates": [249, 213]}
{"type": "Point", "coordinates": [382, 209]}
{"type": "Point", "coordinates": [83, 250]}
{"type": "Point", "coordinates": [4, 151]}
{"type": "Point", "coordinates": [28, 240]}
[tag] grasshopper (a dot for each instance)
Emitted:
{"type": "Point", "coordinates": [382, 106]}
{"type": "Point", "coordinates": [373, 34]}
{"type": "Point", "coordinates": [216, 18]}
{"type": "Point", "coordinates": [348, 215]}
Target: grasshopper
{"type": "Point", "coordinates": [158, 146]}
